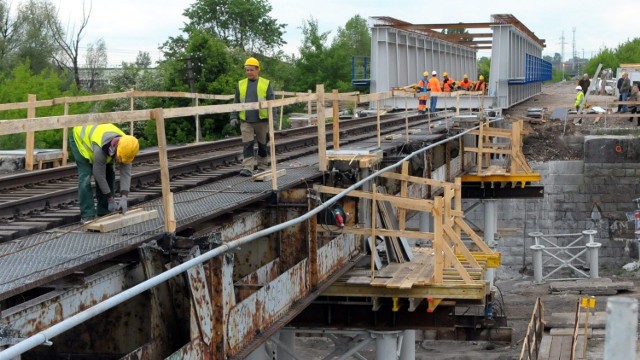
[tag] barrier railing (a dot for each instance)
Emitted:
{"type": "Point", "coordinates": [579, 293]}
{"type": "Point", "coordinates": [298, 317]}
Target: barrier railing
{"type": "Point", "coordinates": [535, 331]}
{"type": "Point", "coordinates": [561, 257]}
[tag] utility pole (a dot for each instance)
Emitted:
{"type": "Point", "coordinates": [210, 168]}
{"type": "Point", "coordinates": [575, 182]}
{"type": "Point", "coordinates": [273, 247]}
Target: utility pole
{"type": "Point", "coordinates": [573, 62]}
{"type": "Point", "coordinates": [562, 42]}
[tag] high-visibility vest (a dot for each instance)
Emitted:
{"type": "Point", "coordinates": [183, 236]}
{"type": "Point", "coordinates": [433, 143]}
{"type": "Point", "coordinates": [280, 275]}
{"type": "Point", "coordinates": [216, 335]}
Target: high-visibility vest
{"type": "Point", "coordinates": [466, 84]}
{"type": "Point", "coordinates": [479, 86]}
{"type": "Point", "coordinates": [87, 135]}
{"type": "Point", "coordinates": [263, 86]}
{"type": "Point", "coordinates": [448, 85]}
{"type": "Point", "coordinates": [434, 84]}
{"type": "Point", "coordinates": [579, 99]}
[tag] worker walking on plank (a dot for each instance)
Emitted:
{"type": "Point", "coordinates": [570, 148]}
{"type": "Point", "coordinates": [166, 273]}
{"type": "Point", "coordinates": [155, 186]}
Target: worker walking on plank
{"type": "Point", "coordinates": [96, 148]}
{"type": "Point", "coordinates": [254, 124]}
{"type": "Point", "coordinates": [434, 87]}
{"type": "Point", "coordinates": [423, 88]}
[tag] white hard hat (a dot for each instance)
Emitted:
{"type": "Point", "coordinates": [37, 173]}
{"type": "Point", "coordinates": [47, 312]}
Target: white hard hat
{"type": "Point", "coordinates": [434, 72]}
{"type": "Point", "coordinates": [578, 87]}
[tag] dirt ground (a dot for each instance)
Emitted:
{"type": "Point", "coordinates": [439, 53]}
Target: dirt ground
{"type": "Point", "coordinates": [542, 143]}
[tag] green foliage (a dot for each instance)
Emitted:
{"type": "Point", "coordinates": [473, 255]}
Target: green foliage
{"type": "Point", "coordinates": [241, 24]}
{"type": "Point", "coordinates": [46, 85]}
{"type": "Point", "coordinates": [627, 53]}
{"type": "Point", "coordinates": [484, 66]}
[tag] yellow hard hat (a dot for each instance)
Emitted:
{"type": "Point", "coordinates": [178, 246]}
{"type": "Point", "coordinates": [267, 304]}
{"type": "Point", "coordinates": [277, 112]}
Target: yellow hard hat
{"type": "Point", "coordinates": [445, 74]}
{"type": "Point", "coordinates": [465, 76]}
{"type": "Point", "coordinates": [481, 77]}
{"type": "Point", "coordinates": [128, 147]}
{"type": "Point", "coordinates": [252, 62]}
{"type": "Point", "coordinates": [426, 73]}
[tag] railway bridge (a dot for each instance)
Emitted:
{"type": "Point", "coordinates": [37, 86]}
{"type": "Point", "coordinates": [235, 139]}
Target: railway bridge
{"type": "Point", "coordinates": [357, 232]}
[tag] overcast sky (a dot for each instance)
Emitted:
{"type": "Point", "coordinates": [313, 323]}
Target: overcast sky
{"type": "Point", "coordinates": [129, 26]}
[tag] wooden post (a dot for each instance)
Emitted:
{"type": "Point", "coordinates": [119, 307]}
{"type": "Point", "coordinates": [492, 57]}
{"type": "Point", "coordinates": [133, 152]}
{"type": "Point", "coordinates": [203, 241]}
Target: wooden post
{"type": "Point", "coordinates": [479, 146]}
{"type": "Point", "coordinates": [336, 121]}
{"type": "Point", "coordinates": [402, 212]}
{"type": "Point", "coordinates": [322, 136]}
{"type": "Point", "coordinates": [30, 142]}
{"type": "Point", "coordinates": [458, 203]}
{"type": "Point", "coordinates": [197, 102]}
{"type": "Point", "coordinates": [167, 195]}
{"type": "Point", "coordinates": [372, 242]}
{"type": "Point", "coordinates": [272, 146]}
{"type": "Point", "coordinates": [437, 240]}
{"type": "Point", "coordinates": [378, 121]}
{"type": "Point", "coordinates": [309, 104]}
{"type": "Point", "coordinates": [131, 107]}
{"type": "Point", "coordinates": [65, 135]}
{"type": "Point", "coordinates": [281, 114]}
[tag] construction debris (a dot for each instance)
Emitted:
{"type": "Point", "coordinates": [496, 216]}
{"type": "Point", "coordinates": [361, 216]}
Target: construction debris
{"type": "Point", "coordinates": [603, 286]}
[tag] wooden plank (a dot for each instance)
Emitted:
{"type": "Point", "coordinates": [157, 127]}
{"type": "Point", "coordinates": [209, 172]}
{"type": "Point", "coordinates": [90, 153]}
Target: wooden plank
{"type": "Point", "coordinates": [336, 120]}
{"type": "Point", "coordinates": [118, 221]}
{"type": "Point", "coordinates": [165, 179]}
{"type": "Point", "coordinates": [30, 141]}
{"type": "Point", "coordinates": [407, 203]}
{"type": "Point", "coordinates": [555, 352]}
{"type": "Point", "coordinates": [268, 175]}
{"type": "Point", "coordinates": [322, 138]}
{"type": "Point", "coordinates": [545, 348]}
{"type": "Point", "coordinates": [393, 136]}
{"type": "Point", "coordinates": [272, 149]}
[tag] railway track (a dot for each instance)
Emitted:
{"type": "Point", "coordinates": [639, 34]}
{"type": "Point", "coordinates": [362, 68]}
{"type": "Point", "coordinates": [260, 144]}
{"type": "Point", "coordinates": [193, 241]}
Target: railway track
{"type": "Point", "coordinates": [34, 201]}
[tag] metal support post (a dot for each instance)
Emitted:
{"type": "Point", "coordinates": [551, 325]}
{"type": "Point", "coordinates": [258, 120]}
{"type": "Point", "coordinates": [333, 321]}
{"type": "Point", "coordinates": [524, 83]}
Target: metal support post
{"type": "Point", "coordinates": [386, 344]}
{"type": "Point", "coordinates": [426, 222]}
{"type": "Point", "coordinates": [286, 345]}
{"type": "Point", "coordinates": [621, 332]}
{"type": "Point", "coordinates": [490, 228]}
{"type": "Point", "coordinates": [592, 253]}
{"type": "Point", "coordinates": [537, 263]}
{"type": "Point", "coordinates": [408, 347]}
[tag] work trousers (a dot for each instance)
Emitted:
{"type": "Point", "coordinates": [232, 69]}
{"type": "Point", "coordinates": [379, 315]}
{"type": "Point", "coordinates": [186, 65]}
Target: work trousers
{"type": "Point", "coordinates": [433, 102]}
{"type": "Point", "coordinates": [250, 133]}
{"type": "Point", "coordinates": [85, 193]}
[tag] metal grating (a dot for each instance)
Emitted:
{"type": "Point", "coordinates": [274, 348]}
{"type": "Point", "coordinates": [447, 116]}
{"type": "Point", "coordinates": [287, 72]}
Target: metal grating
{"type": "Point", "coordinates": [35, 260]}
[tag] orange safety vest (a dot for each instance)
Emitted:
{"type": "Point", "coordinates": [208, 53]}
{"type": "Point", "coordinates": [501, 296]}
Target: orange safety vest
{"type": "Point", "coordinates": [447, 84]}
{"type": "Point", "coordinates": [434, 84]}
{"type": "Point", "coordinates": [466, 84]}
{"type": "Point", "coordinates": [480, 86]}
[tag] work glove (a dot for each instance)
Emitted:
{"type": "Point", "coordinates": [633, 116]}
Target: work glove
{"type": "Point", "coordinates": [112, 206]}
{"type": "Point", "coordinates": [122, 204]}
{"type": "Point", "coordinates": [234, 122]}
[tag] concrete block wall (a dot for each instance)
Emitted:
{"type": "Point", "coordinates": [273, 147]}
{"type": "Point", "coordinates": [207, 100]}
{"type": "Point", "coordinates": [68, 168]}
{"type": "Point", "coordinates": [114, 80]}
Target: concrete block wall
{"type": "Point", "coordinates": [579, 195]}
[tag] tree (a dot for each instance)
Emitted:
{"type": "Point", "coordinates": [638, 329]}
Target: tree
{"type": "Point", "coordinates": [95, 62]}
{"type": "Point", "coordinates": [312, 61]}
{"type": "Point", "coordinates": [241, 24]}
{"type": "Point", "coordinates": [143, 60]}
{"type": "Point", "coordinates": [484, 66]}
{"type": "Point", "coordinates": [69, 42]}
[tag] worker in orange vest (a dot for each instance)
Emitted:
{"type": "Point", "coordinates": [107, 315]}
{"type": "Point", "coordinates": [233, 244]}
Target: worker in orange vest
{"type": "Point", "coordinates": [423, 88]}
{"type": "Point", "coordinates": [480, 85]}
{"type": "Point", "coordinates": [434, 87]}
{"type": "Point", "coordinates": [447, 82]}
{"type": "Point", "coordinates": [465, 84]}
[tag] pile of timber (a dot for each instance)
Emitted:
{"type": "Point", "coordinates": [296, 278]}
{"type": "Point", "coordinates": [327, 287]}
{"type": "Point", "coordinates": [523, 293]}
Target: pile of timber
{"type": "Point", "coordinates": [602, 286]}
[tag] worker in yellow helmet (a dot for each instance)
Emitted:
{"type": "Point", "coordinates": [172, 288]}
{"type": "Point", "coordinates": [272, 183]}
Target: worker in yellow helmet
{"type": "Point", "coordinates": [447, 82]}
{"type": "Point", "coordinates": [254, 124]}
{"type": "Point", "coordinates": [96, 148]}
{"type": "Point", "coordinates": [480, 85]}
{"type": "Point", "coordinates": [465, 84]}
{"type": "Point", "coordinates": [422, 88]}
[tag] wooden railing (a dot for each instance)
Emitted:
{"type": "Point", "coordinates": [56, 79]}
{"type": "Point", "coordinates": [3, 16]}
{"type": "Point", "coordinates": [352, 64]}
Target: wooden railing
{"type": "Point", "coordinates": [535, 331]}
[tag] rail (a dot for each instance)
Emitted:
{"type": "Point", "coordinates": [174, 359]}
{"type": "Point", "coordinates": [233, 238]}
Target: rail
{"type": "Point", "coordinates": [535, 331]}
{"type": "Point", "coordinates": [561, 257]}
{"type": "Point", "coordinates": [44, 336]}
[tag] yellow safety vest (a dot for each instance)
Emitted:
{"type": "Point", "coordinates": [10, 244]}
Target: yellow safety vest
{"type": "Point", "coordinates": [263, 86]}
{"type": "Point", "coordinates": [87, 135]}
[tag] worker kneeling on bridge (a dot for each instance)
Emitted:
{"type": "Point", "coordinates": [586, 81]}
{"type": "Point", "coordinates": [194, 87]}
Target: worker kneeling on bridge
{"type": "Point", "coordinates": [254, 124]}
{"type": "Point", "coordinates": [96, 148]}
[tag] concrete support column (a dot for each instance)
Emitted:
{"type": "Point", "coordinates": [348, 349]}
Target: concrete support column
{"type": "Point", "coordinates": [592, 253]}
{"type": "Point", "coordinates": [536, 250]}
{"type": "Point", "coordinates": [622, 328]}
{"type": "Point", "coordinates": [287, 346]}
{"type": "Point", "coordinates": [490, 228]}
{"type": "Point", "coordinates": [408, 347]}
{"type": "Point", "coordinates": [386, 344]}
{"type": "Point", "coordinates": [259, 354]}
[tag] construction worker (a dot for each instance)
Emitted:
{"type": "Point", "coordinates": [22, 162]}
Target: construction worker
{"type": "Point", "coordinates": [465, 84]}
{"type": "Point", "coordinates": [447, 82]}
{"type": "Point", "coordinates": [96, 148]}
{"type": "Point", "coordinates": [434, 87]}
{"type": "Point", "coordinates": [579, 103]}
{"type": "Point", "coordinates": [480, 85]}
{"type": "Point", "coordinates": [254, 124]}
{"type": "Point", "coordinates": [422, 88]}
